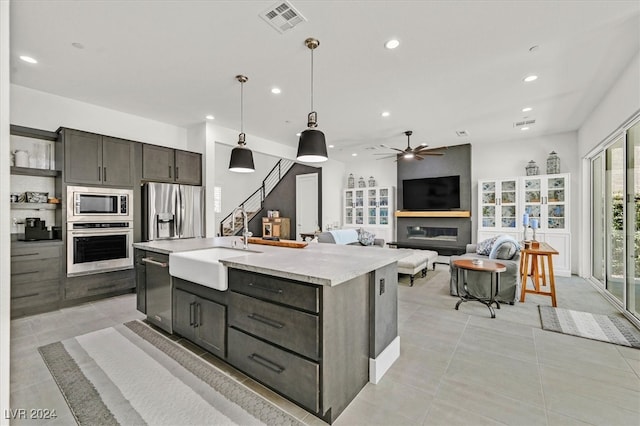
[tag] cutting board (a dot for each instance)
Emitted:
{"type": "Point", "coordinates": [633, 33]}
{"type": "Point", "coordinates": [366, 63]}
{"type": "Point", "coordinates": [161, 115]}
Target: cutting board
{"type": "Point", "coordinates": [281, 243]}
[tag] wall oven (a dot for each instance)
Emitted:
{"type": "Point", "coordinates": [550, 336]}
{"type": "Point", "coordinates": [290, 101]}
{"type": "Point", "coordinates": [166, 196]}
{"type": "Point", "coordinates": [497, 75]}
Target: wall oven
{"type": "Point", "coordinates": [94, 247]}
{"type": "Point", "coordinates": [93, 204]}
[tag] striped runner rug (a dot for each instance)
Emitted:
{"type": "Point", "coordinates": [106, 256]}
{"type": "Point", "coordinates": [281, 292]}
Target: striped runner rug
{"type": "Point", "coordinates": [605, 328]}
{"type": "Point", "coordinates": [131, 374]}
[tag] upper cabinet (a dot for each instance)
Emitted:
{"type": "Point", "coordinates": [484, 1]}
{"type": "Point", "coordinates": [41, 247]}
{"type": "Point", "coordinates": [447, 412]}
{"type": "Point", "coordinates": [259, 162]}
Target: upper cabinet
{"type": "Point", "coordinates": [94, 159]}
{"type": "Point", "coordinates": [162, 164]}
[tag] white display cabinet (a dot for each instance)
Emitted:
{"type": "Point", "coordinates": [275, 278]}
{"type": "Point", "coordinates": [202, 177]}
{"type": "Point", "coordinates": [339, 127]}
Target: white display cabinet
{"type": "Point", "coordinates": [503, 202]}
{"type": "Point", "coordinates": [372, 209]}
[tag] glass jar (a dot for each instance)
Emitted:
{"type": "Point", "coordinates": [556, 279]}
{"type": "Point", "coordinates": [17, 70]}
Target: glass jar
{"type": "Point", "coordinates": [532, 168]}
{"type": "Point", "coordinates": [351, 181]}
{"type": "Point", "coordinates": [553, 163]}
{"type": "Point", "coordinates": [372, 181]}
{"type": "Point", "coordinates": [361, 183]}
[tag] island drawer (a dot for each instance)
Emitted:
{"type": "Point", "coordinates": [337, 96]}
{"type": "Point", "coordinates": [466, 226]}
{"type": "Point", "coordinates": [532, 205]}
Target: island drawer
{"type": "Point", "coordinates": [289, 374]}
{"type": "Point", "coordinates": [291, 329]}
{"type": "Point", "coordinates": [279, 290]}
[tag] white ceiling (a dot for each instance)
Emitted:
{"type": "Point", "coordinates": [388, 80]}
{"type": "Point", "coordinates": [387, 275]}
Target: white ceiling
{"type": "Point", "coordinates": [459, 66]}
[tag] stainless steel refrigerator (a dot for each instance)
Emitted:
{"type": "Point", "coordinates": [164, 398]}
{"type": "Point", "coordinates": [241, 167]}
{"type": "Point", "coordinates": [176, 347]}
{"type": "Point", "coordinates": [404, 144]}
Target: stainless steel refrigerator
{"type": "Point", "coordinates": [172, 211]}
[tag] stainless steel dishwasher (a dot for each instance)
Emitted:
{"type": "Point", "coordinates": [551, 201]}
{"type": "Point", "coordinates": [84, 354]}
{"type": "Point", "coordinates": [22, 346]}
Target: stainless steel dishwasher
{"type": "Point", "coordinates": [158, 290]}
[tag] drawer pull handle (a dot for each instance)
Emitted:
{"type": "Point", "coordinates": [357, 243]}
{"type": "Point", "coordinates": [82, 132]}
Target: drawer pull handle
{"type": "Point", "coordinates": [154, 262]}
{"type": "Point", "coordinates": [192, 313]}
{"type": "Point", "coordinates": [266, 363]}
{"type": "Point", "coordinates": [26, 295]}
{"type": "Point", "coordinates": [272, 290]}
{"type": "Point", "coordinates": [25, 273]}
{"type": "Point", "coordinates": [265, 320]}
{"type": "Point", "coordinates": [25, 254]}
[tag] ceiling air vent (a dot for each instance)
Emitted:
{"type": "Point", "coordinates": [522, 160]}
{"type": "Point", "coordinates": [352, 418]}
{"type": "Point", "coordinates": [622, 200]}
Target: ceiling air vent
{"type": "Point", "coordinates": [524, 123]}
{"type": "Point", "coordinates": [282, 16]}
{"type": "Point", "coordinates": [462, 133]}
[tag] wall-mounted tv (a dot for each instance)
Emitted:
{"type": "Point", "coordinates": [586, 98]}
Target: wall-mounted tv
{"type": "Point", "coordinates": [435, 193]}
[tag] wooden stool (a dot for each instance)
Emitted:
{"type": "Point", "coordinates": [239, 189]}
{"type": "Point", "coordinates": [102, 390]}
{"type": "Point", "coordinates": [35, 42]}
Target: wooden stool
{"type": "Point", "coordinates": [532, 264]}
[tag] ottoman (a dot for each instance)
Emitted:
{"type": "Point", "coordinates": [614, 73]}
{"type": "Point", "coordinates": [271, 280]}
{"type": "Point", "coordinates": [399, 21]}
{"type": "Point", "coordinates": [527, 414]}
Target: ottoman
{"type": "Point", "coordinates": [416, 261]}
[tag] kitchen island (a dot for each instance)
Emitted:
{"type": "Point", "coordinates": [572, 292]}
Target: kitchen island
{"type": "Point", "coordinates": [314, 324]}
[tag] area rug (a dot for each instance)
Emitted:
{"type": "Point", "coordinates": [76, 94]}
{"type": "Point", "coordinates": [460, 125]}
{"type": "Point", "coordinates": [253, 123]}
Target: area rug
{"type": "Point", "coordinates": [131, 374]}
{"type": "Point", "coordinates": [605, 328]}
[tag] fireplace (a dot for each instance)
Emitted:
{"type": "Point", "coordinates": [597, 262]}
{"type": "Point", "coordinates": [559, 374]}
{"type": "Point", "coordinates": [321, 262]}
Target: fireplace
{"type": "Point", "coordinates": [446, 235]}
{"type": "Point", "coordinates": [432, 233]}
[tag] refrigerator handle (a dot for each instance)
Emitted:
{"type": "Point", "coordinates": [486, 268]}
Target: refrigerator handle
{"type": "Point", "coordinates": [179, 211]}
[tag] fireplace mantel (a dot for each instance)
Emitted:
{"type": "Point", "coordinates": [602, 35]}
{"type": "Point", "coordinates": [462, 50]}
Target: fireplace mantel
{"type": "Point", "coordinates": [450, 213]}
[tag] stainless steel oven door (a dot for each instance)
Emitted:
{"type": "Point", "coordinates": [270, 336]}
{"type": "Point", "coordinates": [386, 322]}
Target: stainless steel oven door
{"type": "Point", "coordinates": [93, 250]}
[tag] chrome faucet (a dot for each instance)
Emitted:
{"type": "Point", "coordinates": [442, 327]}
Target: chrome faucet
{"type": "Point", "coordinates": [245, 231]}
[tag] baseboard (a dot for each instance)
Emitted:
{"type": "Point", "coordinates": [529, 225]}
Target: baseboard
{"type": "Point", "coordinates": [384, 361]}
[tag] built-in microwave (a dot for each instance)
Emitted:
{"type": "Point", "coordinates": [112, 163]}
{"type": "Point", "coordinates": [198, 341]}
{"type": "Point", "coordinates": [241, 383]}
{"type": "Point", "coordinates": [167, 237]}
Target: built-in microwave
{"type": "Point", "coordinates": [99, 204]}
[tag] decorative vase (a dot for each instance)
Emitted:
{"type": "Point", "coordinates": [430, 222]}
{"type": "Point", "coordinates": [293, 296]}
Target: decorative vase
{"type": "Point", "coordinates": [351, 181]}
{"type": "Point", "coordinates": [532, 168]}
{"type": "Point", "coordinates": [553, 163]}
{"type": "Point", "coordinates": [372, 181]}
{"type": "Point", "coordinates": [361, 183]}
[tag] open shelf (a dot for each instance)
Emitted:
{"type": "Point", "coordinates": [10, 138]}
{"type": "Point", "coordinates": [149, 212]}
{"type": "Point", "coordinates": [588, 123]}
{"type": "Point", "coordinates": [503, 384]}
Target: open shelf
{"type": "Point", "coordinates": [28, 171]}
{"type": "Point", "coordinates": [34, 206]}
{"type": "Point", "coordinates": [451, 213]}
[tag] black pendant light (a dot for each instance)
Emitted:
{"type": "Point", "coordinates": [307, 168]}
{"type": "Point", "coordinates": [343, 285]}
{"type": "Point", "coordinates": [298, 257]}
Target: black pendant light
{"type": "Point", "coordinates": [312, 147]}
{"type": "Point", "coordinates": [241, 156]}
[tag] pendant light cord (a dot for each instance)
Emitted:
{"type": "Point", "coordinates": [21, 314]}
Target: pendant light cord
{"type": "Point", "coordinates": [312, 79]}
{"type": "Point", "coordinates": [241, 107]}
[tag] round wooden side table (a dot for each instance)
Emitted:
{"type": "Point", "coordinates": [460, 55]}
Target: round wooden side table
{"type": "Point", "coordinates": [489, 266]}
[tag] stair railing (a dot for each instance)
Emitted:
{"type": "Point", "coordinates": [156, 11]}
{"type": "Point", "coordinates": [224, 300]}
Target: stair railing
{"type": "Point", "coordinates": [253, 203]}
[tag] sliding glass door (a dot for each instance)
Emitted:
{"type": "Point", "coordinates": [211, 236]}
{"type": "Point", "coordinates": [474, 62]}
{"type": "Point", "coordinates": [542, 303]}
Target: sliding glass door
{"type": "Point", "coordinates": [633, 220]}
{"type": "Point", "coordinates": [615, 218]}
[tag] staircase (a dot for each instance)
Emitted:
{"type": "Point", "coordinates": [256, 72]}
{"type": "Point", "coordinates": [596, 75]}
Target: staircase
{"type": "Point", "coordinates": [253, 204]}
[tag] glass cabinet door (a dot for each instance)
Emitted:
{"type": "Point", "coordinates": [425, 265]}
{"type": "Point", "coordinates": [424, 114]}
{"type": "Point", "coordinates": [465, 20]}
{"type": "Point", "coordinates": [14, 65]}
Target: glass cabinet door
{"type": "Point", "coordinates": [533, 199]}
{"type": "Point", "coordinates": [556, 195]}
{"type": "Point", "coordinates": [508, 204]}
{"type": "Point", "coordinates": [488, 204]}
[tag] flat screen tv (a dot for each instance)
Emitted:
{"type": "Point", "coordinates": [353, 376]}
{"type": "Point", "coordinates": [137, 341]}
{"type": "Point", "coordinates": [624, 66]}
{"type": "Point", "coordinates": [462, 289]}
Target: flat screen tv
{"type": "Point", "coordinates": [435, 193]}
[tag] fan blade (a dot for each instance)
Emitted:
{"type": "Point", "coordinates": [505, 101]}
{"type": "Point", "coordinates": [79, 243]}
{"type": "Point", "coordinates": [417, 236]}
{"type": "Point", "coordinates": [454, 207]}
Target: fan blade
{"type": "Point", "coordinates": [418, 157]}
{"type": "Point", "coordinates": [430, 153]}
{"type": "Point", "coordinates": [389, 156]}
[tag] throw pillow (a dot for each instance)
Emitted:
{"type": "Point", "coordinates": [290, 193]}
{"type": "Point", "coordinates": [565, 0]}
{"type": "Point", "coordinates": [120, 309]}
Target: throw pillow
{"type": "Point", "coordinates": [366, 238]}
{"type": "Point", "coordinates": [505, 247]}
{"type": "Point", "coordinates": [484, 247]}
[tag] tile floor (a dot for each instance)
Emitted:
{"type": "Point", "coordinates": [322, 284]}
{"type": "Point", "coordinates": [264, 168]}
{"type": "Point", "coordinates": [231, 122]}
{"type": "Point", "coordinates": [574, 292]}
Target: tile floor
{"type": "Point", "coordinates": [456, 367]}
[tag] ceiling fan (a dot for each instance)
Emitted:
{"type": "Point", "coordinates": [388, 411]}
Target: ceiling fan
{"type": "Point", "coordinates": [409, 153]}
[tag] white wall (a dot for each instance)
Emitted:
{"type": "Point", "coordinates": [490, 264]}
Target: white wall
{"type": "Point", "coordinates": [620, 103]}
{"type": "Point", "coordinates": [385, 172]}
{"type": "Point", "coordinates": [5, 255]}
{"type": "Point", "coordinates": [40, 110]}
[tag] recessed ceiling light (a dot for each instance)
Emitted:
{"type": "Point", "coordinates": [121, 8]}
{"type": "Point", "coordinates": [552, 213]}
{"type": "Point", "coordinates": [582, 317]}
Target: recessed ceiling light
{"type": "Point", "coordinates": [385, 114]}
{"type": "Point", "coordinates": [298, 134]}
{"type": "Point", "coordinates": [534, 48]}
{"type": "Point", "coordinates": [276, 91]}
{"type": "Point", "coordinates": [530, 78]}
{"type": "Point", "coordinates": [78, 45]}
{"type": "Point", "coordinates": [392, 44]}
{"type": "Point", "coordinates": [527, 109]}
{"type": "Point", "coordinates": [354, 155]}
{"type": "Point", "coordinates": [28, 59]}
{"type": "Point", "coordinates": [209, 117]}
{"type": "Point", "coordinates": [524, 128]}
{"type": "Point", "coordinates": [331, 146]}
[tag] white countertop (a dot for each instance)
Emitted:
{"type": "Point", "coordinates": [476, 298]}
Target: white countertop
{"type": "Point", "coordinates": [322, 264]}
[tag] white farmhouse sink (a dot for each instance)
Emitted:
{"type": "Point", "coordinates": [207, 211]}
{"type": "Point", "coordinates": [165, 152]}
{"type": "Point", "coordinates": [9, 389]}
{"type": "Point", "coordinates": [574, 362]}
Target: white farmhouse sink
{"type": "Point", "coordinates": [203, 266]}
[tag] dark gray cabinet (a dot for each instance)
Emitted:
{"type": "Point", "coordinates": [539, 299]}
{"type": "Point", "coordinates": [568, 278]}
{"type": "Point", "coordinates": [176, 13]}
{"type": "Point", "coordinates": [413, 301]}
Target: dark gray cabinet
{"type": "Point", "coordinates": [141, 281]}
{"type": "Point", "coordinates": [35, 277]}
{"type": "Point", "coordinates": [200, 320]}
{"type": "Point", "coordinates": [163, 164]}
{"type": "Point", "coordinates": [97, 160]}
